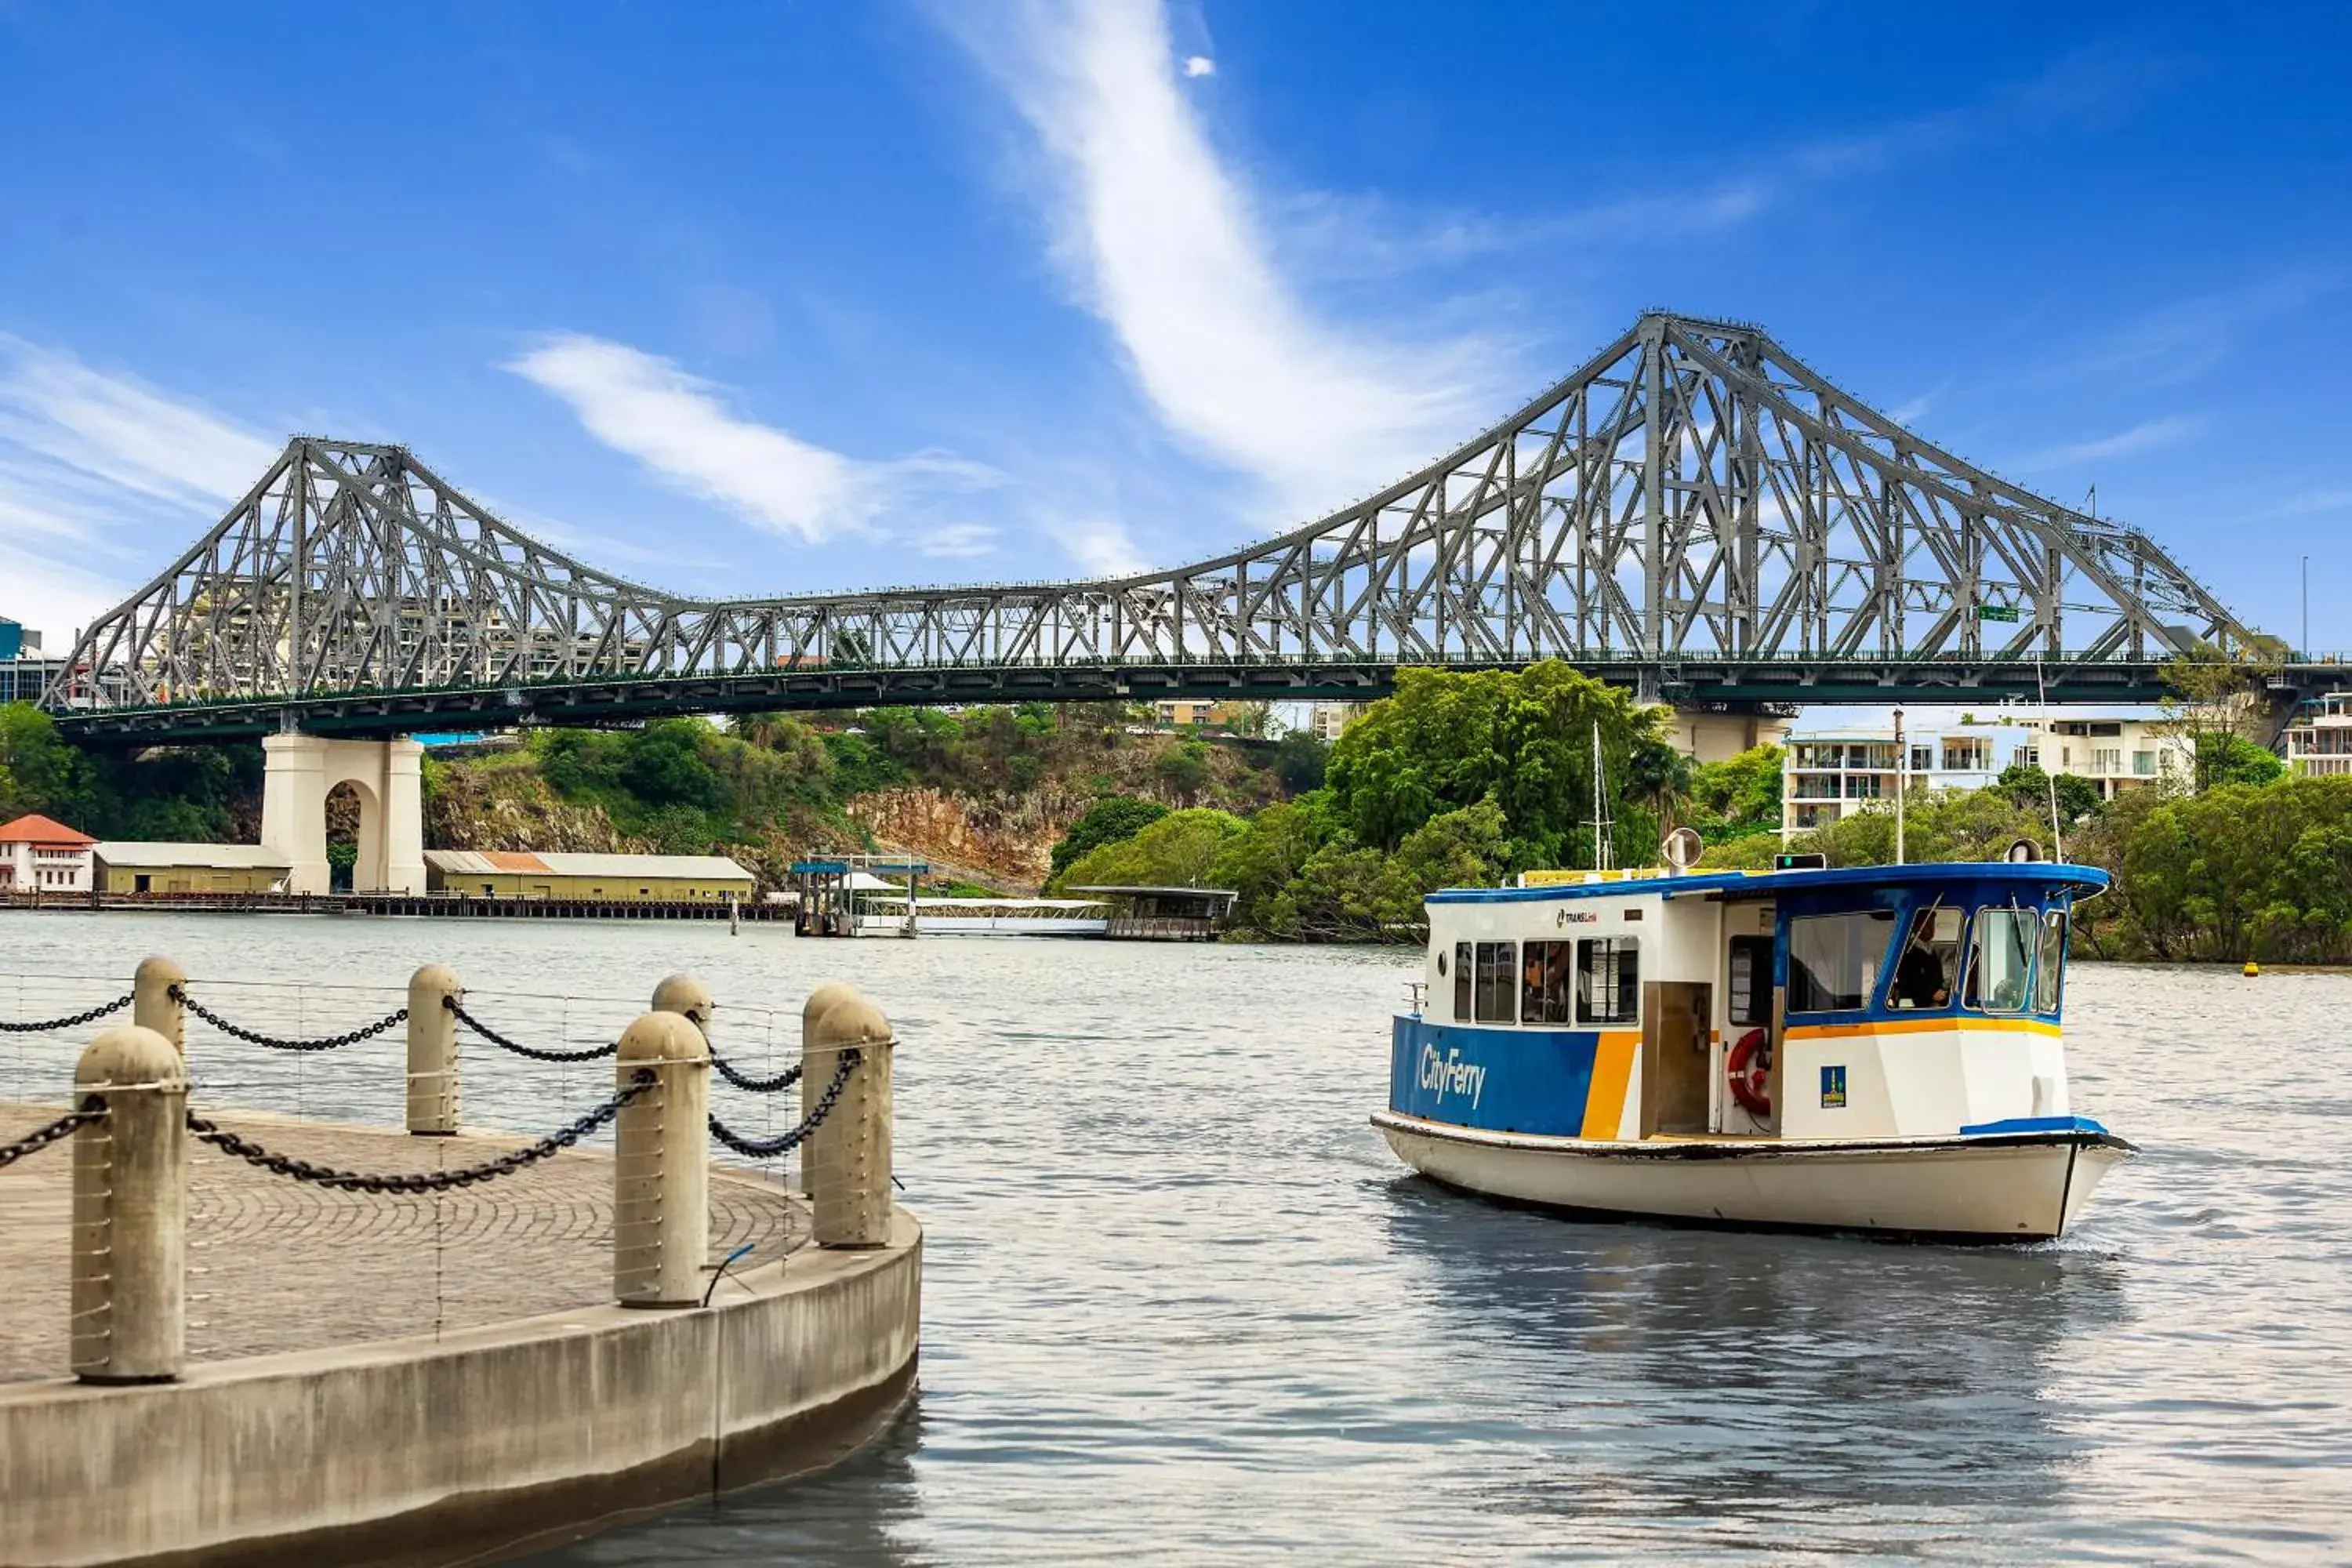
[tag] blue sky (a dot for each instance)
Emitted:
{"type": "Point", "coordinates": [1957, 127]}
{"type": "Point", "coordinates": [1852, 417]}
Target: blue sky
{"type": "Point", "coordinates": [768, 298]}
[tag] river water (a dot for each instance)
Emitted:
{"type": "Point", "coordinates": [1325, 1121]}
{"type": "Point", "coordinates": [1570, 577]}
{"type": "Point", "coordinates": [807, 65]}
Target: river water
{"type": "Point", "coordinates": [1180, 1305]}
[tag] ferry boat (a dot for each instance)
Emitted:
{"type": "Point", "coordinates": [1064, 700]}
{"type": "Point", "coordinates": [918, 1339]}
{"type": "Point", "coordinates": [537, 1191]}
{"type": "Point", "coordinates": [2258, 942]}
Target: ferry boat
{"type": "Point", "coordinates": [1865, 1049]}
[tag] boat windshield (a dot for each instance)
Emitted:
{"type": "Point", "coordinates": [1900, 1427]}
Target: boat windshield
{"type": "Point", "coordinates": [2001, 967]}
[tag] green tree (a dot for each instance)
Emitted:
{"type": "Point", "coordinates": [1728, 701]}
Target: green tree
{"type": "Point", "coordinates": [1301, 758]}
{"type": "Point", "coordinates": [1263, 861]}
{"type": "Point", "coordinates": [2029, 786]}
{"type": "Point", "coordinates": [1737, 796]}
{"type": "Point", "coordinates": [1111, 821]}
{"type": "Point", "coordinates": [2227, 758]}
{"type": "Point", "coordinates": [1177, 851]}
{"type": "Point", "coordinates": [1446, 741]}
{"type": "Point", "coordinates": [1183, 769]}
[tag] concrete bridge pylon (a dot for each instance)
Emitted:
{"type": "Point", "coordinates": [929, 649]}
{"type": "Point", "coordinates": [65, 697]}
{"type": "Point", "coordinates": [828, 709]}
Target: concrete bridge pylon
{"type": "Point", "coordinates": [300, 771]}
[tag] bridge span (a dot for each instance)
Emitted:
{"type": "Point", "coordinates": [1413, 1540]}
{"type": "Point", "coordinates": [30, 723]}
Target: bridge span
{"type": "Point", "coordinates": [1693, 514]}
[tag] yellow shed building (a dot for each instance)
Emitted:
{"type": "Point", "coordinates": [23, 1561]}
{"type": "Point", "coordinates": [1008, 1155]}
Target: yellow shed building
{"type": "Point", "coordinates": [136, 867]}
{"type": "Point", "coordinates": [523, 874]}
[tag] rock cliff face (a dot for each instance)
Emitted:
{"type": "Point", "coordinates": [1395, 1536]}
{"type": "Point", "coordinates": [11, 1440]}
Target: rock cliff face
{"type": "Point", "coordinates": [1010, 838]}
{"type": "Point", "coordinates": [508, 808]}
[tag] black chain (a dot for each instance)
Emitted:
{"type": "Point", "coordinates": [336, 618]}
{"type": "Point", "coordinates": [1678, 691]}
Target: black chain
{"type": "Point", "coordinates": [421, 1181]}
{"type": "Point", "coordinates": [116, 1005]}
{"type": "Point", "coordinates": [330, 1043]}
{"type": "Point", "coordinates": [535, 1053]}
{"type": "Point", "coordinates": [768, 1148]}
{"type": "Point", "coordinates": [42, 1137]}
{"type": "Point", "coordinates": [784, 1079]}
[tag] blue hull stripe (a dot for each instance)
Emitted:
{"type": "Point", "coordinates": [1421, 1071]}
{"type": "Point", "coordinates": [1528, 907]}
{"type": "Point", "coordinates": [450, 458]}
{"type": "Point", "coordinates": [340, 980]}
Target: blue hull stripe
{"type": "Point", "coordinates": [1502, 1080]}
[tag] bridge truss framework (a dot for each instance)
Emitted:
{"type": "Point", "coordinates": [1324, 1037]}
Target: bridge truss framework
{"type": "Point", "coordinates": [1694, 512]}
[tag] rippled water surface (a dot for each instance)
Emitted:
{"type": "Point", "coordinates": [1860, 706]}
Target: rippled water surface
{"type": "Point", "coordinates": [1182, 1305]}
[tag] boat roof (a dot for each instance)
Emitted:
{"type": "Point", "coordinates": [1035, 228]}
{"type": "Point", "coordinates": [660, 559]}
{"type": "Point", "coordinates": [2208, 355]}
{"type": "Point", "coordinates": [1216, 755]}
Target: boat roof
{"type": "Point", "coordinates": [1742, 886]}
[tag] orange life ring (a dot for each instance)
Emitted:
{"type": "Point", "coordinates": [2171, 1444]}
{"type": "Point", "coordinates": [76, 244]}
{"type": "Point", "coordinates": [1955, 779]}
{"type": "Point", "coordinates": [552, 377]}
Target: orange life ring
{"type": "Point", "coordinates": [1750, 1068]}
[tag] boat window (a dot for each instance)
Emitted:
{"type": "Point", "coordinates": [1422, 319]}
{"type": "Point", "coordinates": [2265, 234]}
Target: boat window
{"type": "Point", "coordinates": [1835, 960]}
{"type": "Point", "coordinates": [1546, 983]}
{"type": "Point", "coordinates": [2047, 981]}
{"type": "Point", "coordinates": [1498, 974]}
{"type": "Point", "coordinates": [1608, 980]}
{"type": "Point", "coordinates": [1751, 979]}
{"type": "Point", "coordinates": [1930, 961]}
{"type": "Point", "coordinates": [2001, 966]}
{"type": "Point", "coordinates": [1462, 978]}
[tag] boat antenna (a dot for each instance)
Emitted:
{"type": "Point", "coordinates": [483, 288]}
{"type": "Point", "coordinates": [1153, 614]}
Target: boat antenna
{"type": "Point", "coordinates": [2049, 774]}
{"type": "Point", "coordinates": [1605, 853]}
{"type": "Point", "coordinates": [1902, 770]}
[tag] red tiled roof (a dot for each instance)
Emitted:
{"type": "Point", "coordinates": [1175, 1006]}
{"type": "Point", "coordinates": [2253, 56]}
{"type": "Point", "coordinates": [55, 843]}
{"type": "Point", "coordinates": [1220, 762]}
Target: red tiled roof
{"type": "Point", "coordinates": [40, 830]}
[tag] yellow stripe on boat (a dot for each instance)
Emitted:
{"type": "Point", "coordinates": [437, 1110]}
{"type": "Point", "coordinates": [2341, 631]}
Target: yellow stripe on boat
{"type": "Point", "coordinates": [1918, 1026]}
{"type": "Point", "coordinates": [1612, 1070]}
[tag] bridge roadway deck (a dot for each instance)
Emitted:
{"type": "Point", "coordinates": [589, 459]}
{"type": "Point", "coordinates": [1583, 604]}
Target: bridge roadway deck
{"type": "Point", "coordinates": [279, 1265]}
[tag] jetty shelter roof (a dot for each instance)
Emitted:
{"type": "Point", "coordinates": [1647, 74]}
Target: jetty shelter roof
{"type": "Point", "coordinates": [203, 856]}
{"type": "Point", "coordinates": [44, 833]}
{"type": "Point", "coordinates": [558, 863]}
{"type": "Point", "coordinates": [1216, 895]}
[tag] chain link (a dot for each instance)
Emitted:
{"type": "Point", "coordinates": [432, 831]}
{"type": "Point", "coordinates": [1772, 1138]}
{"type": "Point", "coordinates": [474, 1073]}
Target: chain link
{"type": "Point", "coordinates": [95, 1014]}
{"type": "Point", "coordinates": [784, 1079]}
{"type": "Point", "coordinates": [536, 1053]}
{"type": "Point", "coordinates": [768, 1148]}
{"type": "Point", "coordinates": [39, 1138]}
{"type": "Point", "coordinates": [420, 1181]}
{"type": "Point", "coordinates": [365, 1032]}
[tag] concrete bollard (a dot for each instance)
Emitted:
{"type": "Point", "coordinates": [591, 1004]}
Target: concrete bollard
{"type": "Point", "coordinates": [827, 992]}
{"type": "Point", "coordinates": [661, 1167]}
{"type": "Point", "coordinates": [433, 1052]}
{"type": "Point", "coordinates": [687, 996]}
{"type": "Point", "coordinates": [130, 1210]}
{"type": "Point", "coordinates": [153, 1005]}
{"type": "Point", "coordinates": [852, 1147]}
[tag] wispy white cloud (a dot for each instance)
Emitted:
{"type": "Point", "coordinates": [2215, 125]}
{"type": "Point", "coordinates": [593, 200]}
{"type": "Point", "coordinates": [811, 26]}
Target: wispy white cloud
{"type": "Point", "coordinates": [102, 480]}
{"type": "Point", "coordinates": [1167, 247]}
{"type": "Point", "coordinates": [2143, 437]}
{"type": "Point", "coordinates": [1912, 410]}
{"type": "Point", "coordinates": [680, 427]}
{"type": "Point", "coordinates": [1198, 64]}
{"type": "Point", "coordinates": [2310, 503]}
{"type": "Point", "coordinates": [1101, 548]}
{"type": "Point", "coordinates": [957, 542]}
{"type": "Point", "coordinates": [2183, 340]}
{"type": "Point", "coordinates": [115, 432]}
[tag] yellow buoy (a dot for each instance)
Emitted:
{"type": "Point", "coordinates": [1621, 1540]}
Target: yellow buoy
{"type": "Point", "coordinates": [2252, 969]}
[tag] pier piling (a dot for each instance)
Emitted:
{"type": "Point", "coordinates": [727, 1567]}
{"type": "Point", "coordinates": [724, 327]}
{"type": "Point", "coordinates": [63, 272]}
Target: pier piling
{"type": "Point", "coordinates": [686, 995]}
{"type": "Point", "coordinates": [433, 1083]}
{"type": "Point", "coordinates": [826, 993]}
{"type": "Point", "coordinates": [661, 1168]}
{"type": "Point", "coordinates": [848, 1155]}
{"type": "Point", "coordinates": [130, 1208]}
{"type": "Point", "coordinates": [155, 1001]}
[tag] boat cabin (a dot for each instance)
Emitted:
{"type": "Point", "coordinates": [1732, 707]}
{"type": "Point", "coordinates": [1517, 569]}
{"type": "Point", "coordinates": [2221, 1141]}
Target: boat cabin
{"type": "Point", "coordinates": [1855, 1002]}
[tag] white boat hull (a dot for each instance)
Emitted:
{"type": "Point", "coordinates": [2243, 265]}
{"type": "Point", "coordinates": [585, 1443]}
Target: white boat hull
{"type": "Point", "coordinates": [2007, 1188]}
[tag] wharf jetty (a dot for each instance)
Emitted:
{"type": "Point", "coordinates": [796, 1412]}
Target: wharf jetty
{"type": "Point", "coordinates": [237, 1336]}
{"type": "Point", "coordinates": [448, 905]}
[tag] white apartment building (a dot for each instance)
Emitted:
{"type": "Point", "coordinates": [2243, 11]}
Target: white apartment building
{"type": "Point", "coordinates": [2113, 751]}
{"type": "Point", "coordinates": [2319, 741]}
{"type": "Point", "coordinates": [1828, 774]}
{"type": "Point", "coordinates": [1329, 718]}
{"type": "Point", "coordinates": [39, 855]}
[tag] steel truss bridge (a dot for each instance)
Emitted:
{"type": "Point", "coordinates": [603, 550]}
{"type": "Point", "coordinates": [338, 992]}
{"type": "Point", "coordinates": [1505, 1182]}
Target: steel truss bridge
{"type": "Point", "coordinates": [1695, 513]}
